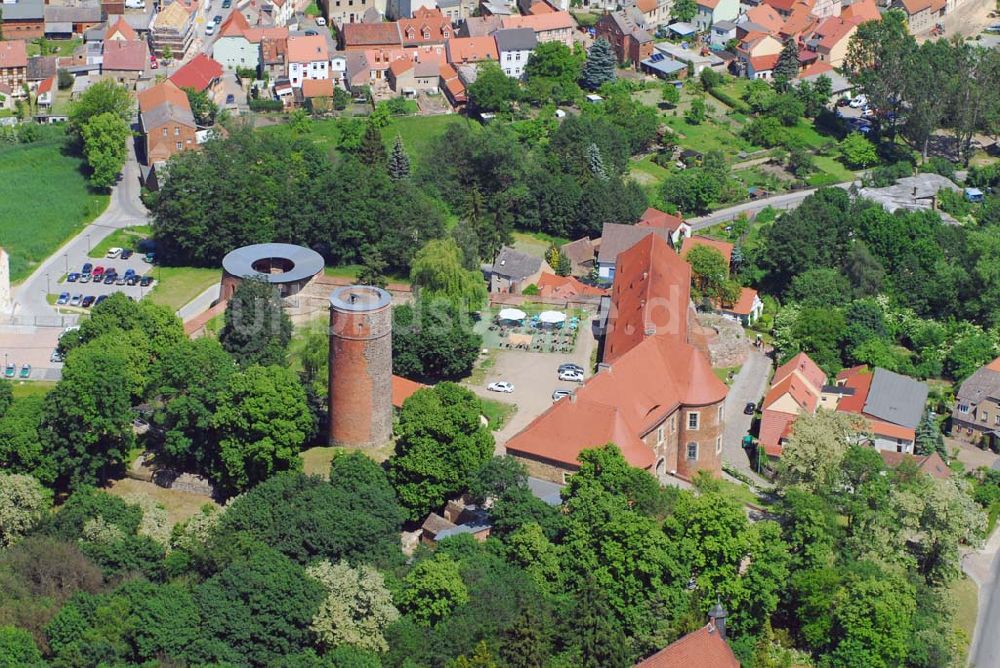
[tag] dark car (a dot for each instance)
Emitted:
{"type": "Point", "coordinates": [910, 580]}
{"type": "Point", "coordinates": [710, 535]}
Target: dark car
{"type": "Point", "coordinates": [226, 4]}
{"type": "Point", "coordinates": [73, 278]}
{"type": "Point", "coordinates": [86, 268]}
{"type": "Point", "coordinates": [146, 281]}
{"type": "Point", "coordinates": [311, 33]}
{"type": "Point", "coordinates": [750, 408]}
{"type": "Point", "coordinates": [100, 299]}
{"type": "Point", "coordinates": [132, 280]}
{"type": "Point", "coordinates": [150, 257]}
{"type": "Point", "coordinates": [217, 19]}
{"type": "Point", "coordinates": [230, 99]}
{"type": "Point", "coordinates": [126, 253]}
{"type": "Point", "coordinates": [569, 366]}
{"type": "Point", "coordinates": [129, 273]}
{"type": "Point", "coordinates": [88, 301]}
{"type": "Point", "coordinates": [120, 280]}
{"type": "Point", "coordinates": [109, 279]}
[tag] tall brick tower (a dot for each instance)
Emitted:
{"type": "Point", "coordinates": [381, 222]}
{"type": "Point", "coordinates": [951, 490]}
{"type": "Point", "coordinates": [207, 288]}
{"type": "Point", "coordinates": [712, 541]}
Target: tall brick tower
{"type": "Point", "coordinates": [360, 366]}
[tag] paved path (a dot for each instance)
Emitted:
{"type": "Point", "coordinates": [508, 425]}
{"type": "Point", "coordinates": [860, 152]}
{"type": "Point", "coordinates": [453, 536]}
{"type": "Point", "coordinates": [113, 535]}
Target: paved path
{"type": "Point", "coordinates": [983, 567]}
{"type": "Point", "coordinates": [124, 210]}
{"type": "Point", "coordinates": [199, 304]}
{"type": "Point", "coordinates": [783, 201]}
{"type": "Point", "coordinates": [749, 385]}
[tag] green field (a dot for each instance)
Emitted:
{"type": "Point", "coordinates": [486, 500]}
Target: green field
{"type": "Point", "coordinates": [417, 132]}
{"type": "Point", "coordinates": [44, 200]}
{"type": "Point", "coordinates": [497, 412]}
{"type": "Point", "coordinates": [176, 286]}
{"type": "Point", "coordinates": [707, 136]}
{"type": "Point", "coordinates": [34, 388]}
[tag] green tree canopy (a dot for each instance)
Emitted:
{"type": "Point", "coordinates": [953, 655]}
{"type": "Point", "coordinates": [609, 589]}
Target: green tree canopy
{"type": "Point", "coordinates": [493, 90]}
{"type": "Point", "coordinates": [433, 589]}
{"type": "Point", "coordinates": [599, 68]}
{"type": "Point", "coordinates": [441, 444]}
{"type": "Point", "coordinates": [433, 340]}
{"type": "Point", "coordinates": [438, 273]}
{"type": "Point", "coordinates": [257, 330]}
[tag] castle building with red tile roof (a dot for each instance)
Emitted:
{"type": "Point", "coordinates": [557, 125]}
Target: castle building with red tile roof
{"type": "Point", "coordinates": [655, 395]}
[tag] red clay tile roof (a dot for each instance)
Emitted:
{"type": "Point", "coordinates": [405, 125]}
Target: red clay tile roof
{"type": "Point", "coordinates": [257, 35]}
{"type": "Point", "coordinates": [766, 17]}
{"type": "Point", "coordinates": [931, 464]}
{"type": "Point", "coordinates": [889, 430]}
{"type": "Point", "coordinates": [861, 11]}
{"type": "Point", "coordinates": [400, 66]}
{"type": "Point", "coordinates": [160, 94]}
{"type": "Point", "coordinates": [566, 287]}
{"type": "Point", "coordinates": [710, 4]}
{"type": "Point", "coordinates": [471, 49]}
{"type": "Point", "coordinates": [428, 26]}
{"type": "Point", "coordinates": [723, 247]}
{"type": "Point", "coordinates": [861, 383]}
{"type": "Point", "coordinates": [317, 88]}
{"type": "Point", "coordinates": [540, 8]}
{"type": "Point", "coordinates": [541, 22]}
{"type": "Point", "coordinates": [764, 63]}
{"type": "Point", "coordinates": [804, 365]}
{"type": "Point", "coordinates": [814, 69]}
{"type": "Point", "coordinates": [621, 404]}
{"type": "Point", "coordinates": [126, 56]}
{"type": "Point", "coordinates": [651, 294]}
{"type": "Point", "coordinates": [800, 20]}
{"type": "Point", "coordinates": [782, 5]}
{"type": "Point", "coordinates": [656, 218]}
{"type": "Point", "coordinates": [794, 385]}
{"type": "Point", "coordinates": [402, 388]}
{"type": "Point", "coordinates": [371, 34]}
{"type": "Point", "coordinates": [234, 26]}
{"type": "Point", "coordinates": [774, 425]}
{"type": "Point", "coordinates": [994, 365]}
{"type": "Point", "coordinates": [307, 49]}
{"type": "Point", "coordinates": [703, 648]}
{"type": "Point", "coordinates": [744, 305]}
{"type": "Point", "coordinates": [46, 85]}
{"type": "Point", "coordinates": [123, 29]}
{"type": "Point", "coordinates": [199, 73]}
{"type": "Point", "coordinates": [646, 6]}
{"type": "Point", "coordinates": [831, 31]}
{"type": "Point", "coordinates": [452, 83]}
{"type": "Point", "coordinates": [844, 374]}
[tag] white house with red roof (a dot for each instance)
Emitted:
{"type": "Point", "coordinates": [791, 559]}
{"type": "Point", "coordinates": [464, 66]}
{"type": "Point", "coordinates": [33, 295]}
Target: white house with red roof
{"type": "Point", "coordinates": [46, 93]}
{"type": "Point", "coordinates": [674, 224]}
{"type": "Point", "coordinates": [308, 58]}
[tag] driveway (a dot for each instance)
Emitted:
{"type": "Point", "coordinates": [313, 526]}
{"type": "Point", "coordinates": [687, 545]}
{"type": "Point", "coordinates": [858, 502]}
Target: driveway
{"type": "Point", "coordinates": [125, 209]}
{"type": "Point", "coordinates": [534, 376]}
{"type": "Point", "coordinates": [784, 201]}
{"type": "Point", "coordinates": [749, 385]}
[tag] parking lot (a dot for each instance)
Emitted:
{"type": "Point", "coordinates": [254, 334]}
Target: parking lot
{"type": "Point", "coordinates": [34, 346]}
{"type": "Point", "coordinates": [83, 288]}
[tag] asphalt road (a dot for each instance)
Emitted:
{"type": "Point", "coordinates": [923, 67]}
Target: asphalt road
{"type": "Point", "coordinates": [124, 210]}
{"type": "Point", "coordinates": [749, 385]}
{"type": "Point", "coordinates": [783, 201]}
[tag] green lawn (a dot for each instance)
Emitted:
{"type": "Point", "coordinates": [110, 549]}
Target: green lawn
{"type": "Point", "coordinates": [417, 132]}
{"type": "Point", "coordinates": [126, 238]}
{"type": "Point", "coordinates": [707, 136]}
{"type": "Point", "coordinates": [313, 9]}
{"type": "Point", "coordinates": [831, 171]}
{"type": "Point", "coordinates": [63, 47]}
{"type": "Point", "coordinates": [176, 286]}
{"type": "Point", "coordinates": [351, 271]}
{"type": "Point", "coordinates": [807, 134]}
{"type": "Point", "coordinates": [35, 388]}
{"type": "Point", "coordinates": [646, 171]}
{"type": "Point", "coordinates": [497, 412]}
{"type": "Point", "coordinates": [44, 200]}
{"type": "Point", "coordinates": [967, 597]}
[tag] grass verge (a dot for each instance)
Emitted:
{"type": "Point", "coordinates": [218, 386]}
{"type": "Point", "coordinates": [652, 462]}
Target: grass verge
{"type": "Point", "coordinates": [497, 412]}
{"type": "Point", "coordinates": [124, 238]}
{"type": "Point", "coordinates": [966, 595]}
{"type": "Point", "coordinates": [36, 388]}
{"type": "Point", "coordinates": [179, 505]}
{"type": "Point", "coordinates": [176, 286]}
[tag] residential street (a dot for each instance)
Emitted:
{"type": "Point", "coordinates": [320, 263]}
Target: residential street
{"type": "Point", "coordinates": [749, 385]}
{"type": "Point", "coordinates": [783, 201]}
{"type": "Point", "coordinates": [124, 210]}
{"type": "Point", "coordinates": [984, 568]}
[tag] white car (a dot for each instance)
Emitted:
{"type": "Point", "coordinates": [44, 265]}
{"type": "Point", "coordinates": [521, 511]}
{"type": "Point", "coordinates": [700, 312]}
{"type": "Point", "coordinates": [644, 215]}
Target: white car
{"type": "Point", "coordinates": [113, 253]}
{"type": "Point", "coordinates": [573, 376]}
{"type": "Point", "coordinates": [859, 101]}
{"type": "Point", "coordinates": [500, 386]}
{"type": "Point", "coordinates": [320, 21]}
{"type": "Point", "coordinates": [210, 29]}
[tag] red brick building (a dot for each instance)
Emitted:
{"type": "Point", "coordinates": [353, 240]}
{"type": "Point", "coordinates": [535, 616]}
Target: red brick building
{"type": "Point", "coordinates": [654, 395]}
{"type": "Point", "coordinates": [630, 42]}
{"type": "Point", "coordinates": [167, 123]}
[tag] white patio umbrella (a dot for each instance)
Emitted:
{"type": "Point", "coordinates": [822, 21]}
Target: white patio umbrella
{"type": "Point", "coordinates": [511, 314]}
{"type": "Point", "coordinates": [552, 317]}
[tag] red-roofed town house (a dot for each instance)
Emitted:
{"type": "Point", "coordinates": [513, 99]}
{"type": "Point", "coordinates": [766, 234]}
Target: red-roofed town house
{"type": "Point", "coordinates": [654, 395]}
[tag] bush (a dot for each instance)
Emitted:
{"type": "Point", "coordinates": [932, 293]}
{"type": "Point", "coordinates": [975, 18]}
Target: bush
{"type": "Point", "coordinates": [889, 174]}
{"type": "Point", "coordinates": [65, 80]}
{"type": "Point", "coordinates": [939, 165]}
{"type": "Point", "coordinates": [266, 105]}
{"type": "Point", "coordinates": [728, 100]}
{"type": "Point", "coordinates": [530, 290]}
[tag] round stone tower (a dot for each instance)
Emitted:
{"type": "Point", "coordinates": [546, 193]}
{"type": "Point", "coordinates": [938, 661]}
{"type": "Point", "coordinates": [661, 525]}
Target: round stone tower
{"type": "Point", "coordinates": [360, 366]}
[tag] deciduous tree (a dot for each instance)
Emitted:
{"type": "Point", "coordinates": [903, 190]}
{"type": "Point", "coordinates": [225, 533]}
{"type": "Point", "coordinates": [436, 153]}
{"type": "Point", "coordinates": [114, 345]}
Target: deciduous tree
{"type": "Point", "coordinates": [104, 138]}
{"type": "Point", "coordinates": [357, 609]}
{"type": "Point", "coordinates": [433, 589]}
{"type": "Point", "coordinates": [23, 502]}
{"type": "Point", "coordinates": [257, 329]}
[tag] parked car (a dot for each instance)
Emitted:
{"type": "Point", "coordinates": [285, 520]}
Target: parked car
{"type": "Point", "coordinates": [217, 19]}
{"type": "Point", "coordinates": [210, 29]}
{"type": "Point", "coordinates": [127, 253]}
{"type": "Point", "coordinates": [109, 279]}
{"type": "Point", "coordinates": [569, 366]}
{"type": "Point", "coordinates": [63, 299]}
{"type": "Point", "coordinates": [500, 386]}
{"type": "Point", "coordinates": [87, 268]}
{"type": "Point", "coordinates": [132, 280]}
{"type": "Point", "coordinates": [98, 271]}
{"type": "Point", "coordinates": [85, 278]}
{"type": "Point", "coordinates": [72, 277]}
{"type": "Point", "coordinates": [75, 301]}
{"type": "Point", "coordinates": [311, 33]}
{"type": "Point", "coordinates": [100, 299]}
{"type": "Point", "coordinates": [88, 301]}
{"type": "Point", "coordinates": [559, 394]}
{"type": "Point", "coordinates": [146, 281]}
{"type": "Point", "coordinates": [11, 370]}
{"type": "Point", "coordinates": [113, 253]}
{"type": "Point", "coordinates": [120, 280]}
{"type": "Point", "coordinates": [750, 408]}
{"type": "Point", "coordinates": [152, 62]}
{"type": "Point", "coordinates": [150, 257]}
{"type": "Point", "coordinates": [230, 99]}
{"type": "Point", "coordinates": [226, 4]}
{"type": "Point", "coordinates": [572, 376]}
{"type": "Point", "coordinates": [129, 272]}
{"type": "Point", "coordinates": [320, 21]}
{"type": "Point", "coordinates": [55, 356]}
{"type": "Point", "coordinates": [25, 370]}
{"type": "Point", "coordinates": [859, 101]}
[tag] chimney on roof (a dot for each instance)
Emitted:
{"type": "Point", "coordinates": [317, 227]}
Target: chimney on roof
{"type": "Point", "coordinates": [717, 616]}
{"type": "Point", "coordinates": [603, 367]}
